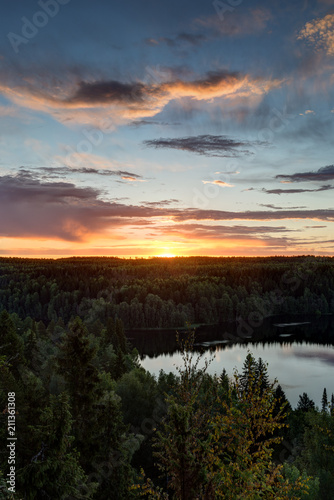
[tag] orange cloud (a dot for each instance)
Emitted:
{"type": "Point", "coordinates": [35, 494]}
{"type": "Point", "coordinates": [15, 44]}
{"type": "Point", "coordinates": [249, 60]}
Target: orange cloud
{"type": "Point", "coordinates": [108, 104]}
{"type": "Point", "coordinates": [219, 183]}
{"type": "Point", "coordinates": [320, 32]}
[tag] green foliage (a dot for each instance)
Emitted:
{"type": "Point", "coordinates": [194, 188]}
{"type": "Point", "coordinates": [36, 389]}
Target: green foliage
{"type": "Point", "coordinates": [54, 469]}
{"type": "Point", "coordinates": [155, 293]}
{"type": "Point", "coordinates": [11, 344]}
{"type": "Point", "coordinates": [292, 474]}
{"type": "Point", "coordinates": [222, 450]}
{"type": "Point", "coordinates": [87, 411]}
{"type": "Point", "coordinates": [305, 404]}
{"type": "Point", "coordinates": [317, 454]}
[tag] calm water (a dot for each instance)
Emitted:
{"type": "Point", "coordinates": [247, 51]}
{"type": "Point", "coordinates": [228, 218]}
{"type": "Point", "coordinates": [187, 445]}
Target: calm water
{"type": "Point", "coordinates": [300, 356]}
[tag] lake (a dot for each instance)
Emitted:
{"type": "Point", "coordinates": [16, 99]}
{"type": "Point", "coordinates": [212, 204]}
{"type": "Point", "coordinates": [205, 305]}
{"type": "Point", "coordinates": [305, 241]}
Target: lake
{"type": "Point", "coordinates": [299, 351]}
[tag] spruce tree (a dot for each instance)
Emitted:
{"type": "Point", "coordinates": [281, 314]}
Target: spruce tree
{"type": "Point", "coordinates": [54, 470]}
{"type": "Point", "coordinates": [324, 401]}
{"type": "Point", "coordinates": [82, 382]}
{"type": "Point", "coordinates": [305, 403]}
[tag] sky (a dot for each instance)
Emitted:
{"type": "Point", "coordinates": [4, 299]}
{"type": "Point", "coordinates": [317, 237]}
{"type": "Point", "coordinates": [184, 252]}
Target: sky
{"type": "Point", "coordinates": [152, 128]}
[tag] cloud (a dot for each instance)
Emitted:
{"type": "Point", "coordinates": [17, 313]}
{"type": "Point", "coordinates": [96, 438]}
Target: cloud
{"type": "Point", "coordinates": [197, 214]}
{"type": "Point", "coordinates": [210, 231]}
{"type": "Point", "coordinates": [8, 111]}
{"type": "Point", "coordinates": [260, 234]}
{"type": "Point", "coordinates": [322, 175]}
{"type": "Point", "coordinates": [320, 33]}
{"type": "Point", "coordinates": [64, 171]}
{"type": "Point", "coordinates": [139, 123]}
{"type": "Point", "coordinates": [219, 183]}
{"type": "Point", "coordinates": [160, 203]}
{"type": "Point", "coordinates": [109, 103]}
{"type": "Point", "coordinates": [109, 91]}
{"type": "Point", "coordinates": [314, 227]}
{"type": "Point", "coordinates": [296, 191]}
{"type": "Point", "coordinates": [274, 207]}
{"type": "Point", "coordinates": [60, 210]}
{"type": "Point", "coordinates": [131, 178]}
{"type": "Point", "coordinates": [209, 145]}
{"type": "Point", "coordinates": [178, 41]}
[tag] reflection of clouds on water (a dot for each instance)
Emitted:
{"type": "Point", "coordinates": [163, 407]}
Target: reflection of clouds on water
{"type": "Point", "coordinates": [324, 356]}
{"type": "Point", "coordinates": [288, 386]}
{"type": "Point", "coordinates": [298, 367]}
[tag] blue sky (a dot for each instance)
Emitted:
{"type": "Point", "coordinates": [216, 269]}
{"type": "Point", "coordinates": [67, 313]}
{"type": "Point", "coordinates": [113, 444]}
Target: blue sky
{"type": "Point", "coordinates": [166, 128]}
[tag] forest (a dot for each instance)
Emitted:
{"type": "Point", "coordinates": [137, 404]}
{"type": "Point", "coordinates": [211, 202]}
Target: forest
{"type": "Point", "coordinates": [91, 423]}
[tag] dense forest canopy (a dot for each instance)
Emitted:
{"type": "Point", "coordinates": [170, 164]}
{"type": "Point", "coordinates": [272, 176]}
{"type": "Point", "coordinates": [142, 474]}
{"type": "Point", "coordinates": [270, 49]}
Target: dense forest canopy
{"type": "Point", "coordinates": [92, 424]}
{"type": "Point", "coordinates": [157, 292]}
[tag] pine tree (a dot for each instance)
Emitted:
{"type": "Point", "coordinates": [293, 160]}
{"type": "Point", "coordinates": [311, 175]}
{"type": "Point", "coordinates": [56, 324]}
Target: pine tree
{"type": "Point", "coordinates": [324, 401]}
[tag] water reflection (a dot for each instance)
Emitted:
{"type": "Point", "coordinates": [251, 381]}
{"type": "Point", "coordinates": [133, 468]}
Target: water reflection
{"type": "Point", "coordinates": [300, 356]}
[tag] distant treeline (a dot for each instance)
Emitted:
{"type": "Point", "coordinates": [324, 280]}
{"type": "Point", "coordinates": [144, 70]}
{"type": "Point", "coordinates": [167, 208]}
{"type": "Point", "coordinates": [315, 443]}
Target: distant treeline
{"type": "Point", "coordinates": [160, 293]}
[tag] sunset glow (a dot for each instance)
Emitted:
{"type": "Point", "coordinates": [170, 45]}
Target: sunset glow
{"type": "Point", "coordinates": [167, 130]}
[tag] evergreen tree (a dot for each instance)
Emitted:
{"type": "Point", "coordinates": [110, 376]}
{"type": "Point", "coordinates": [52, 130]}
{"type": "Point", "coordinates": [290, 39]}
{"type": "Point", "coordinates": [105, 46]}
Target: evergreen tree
{"type": "Point", "coordinates": [224, 381]}
{"type": "Point", "coordinates": [54, 470]}
{"type": "Point", "coordinates": [317, 454]}
{"type": "Point", "coordinates": [324, 401]}
{"type": "Point", "coordinates": [305, 403]}
{"type": "Point", "coordinates": [248, 374]}
{"type": "Point", "coordinates": [120, 336]}
{"type": "Point", "coordinates": [11, 344]}
{"type": "Point", "coordinates": [261, 374]}
{"type": "Point", "coordinates": [212, 454]}
{"type": "Point", "coordinates": [75, 364]}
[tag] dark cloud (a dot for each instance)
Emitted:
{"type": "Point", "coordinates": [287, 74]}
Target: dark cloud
{"type": "Point", "coordinates": [160, 203]}
{"type": "Point", "coordinates": [197, 214]}
{"type": "Point", "coordinates": [37, 208]}
{"type": "Point", "coordinates": [116, 92]}
{"type": "Point", "coordinates": [109, 102]}
{"type": "Point", "coordinates": [58, 209]}
{"type": "Point", "coordinates": [322, 175]}
{"type": "Point", "coordinates": [209, 145]}
{"type": "Point", "coordinates": [24, 188]}
{"type": "Point", "coordinates": [274, 207]}
{"type": "Point", "coordinates": [314, 227]}
{"type": "Point", "coordinates": [139, 123]}
{"type": "Point", "coordinates": [296, 191]}
{"type": "Point", "coordinates": [178, 41]}
{"type": "Point", "coordinates": [109, 91]}
{"type": "Point", "coordinates": [228, 231]}
{"type": "Point", "coordinates": [63, 171]}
